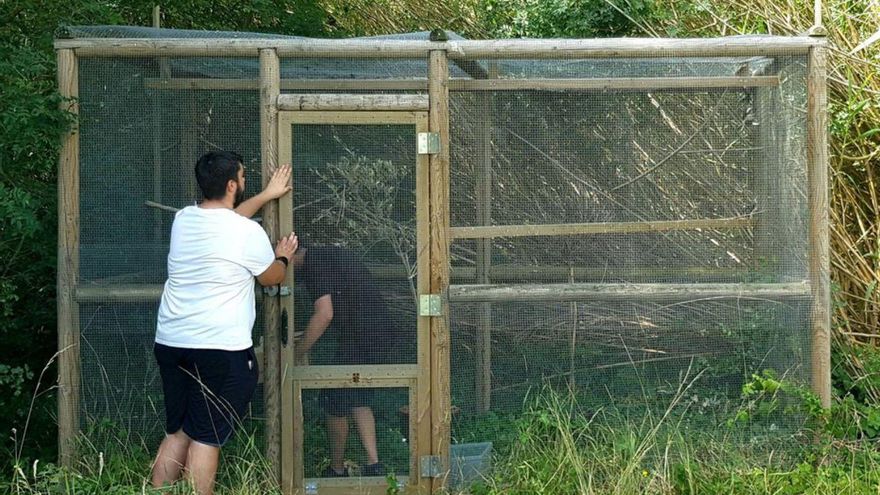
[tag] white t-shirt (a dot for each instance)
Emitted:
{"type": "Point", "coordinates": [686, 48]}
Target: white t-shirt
{"type": "Point", "coordinates": [208, 301]}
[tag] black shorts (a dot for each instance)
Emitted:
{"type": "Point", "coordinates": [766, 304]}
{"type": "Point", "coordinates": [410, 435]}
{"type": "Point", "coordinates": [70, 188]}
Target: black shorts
{"type": "Point", "coordinates": [340, 401]}
{"type": "Point", "coordinates": [207, 391]}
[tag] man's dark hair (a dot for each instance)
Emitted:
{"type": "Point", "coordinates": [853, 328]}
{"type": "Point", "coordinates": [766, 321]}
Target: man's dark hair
{"type": "Point", "coordinates": [214, 170]}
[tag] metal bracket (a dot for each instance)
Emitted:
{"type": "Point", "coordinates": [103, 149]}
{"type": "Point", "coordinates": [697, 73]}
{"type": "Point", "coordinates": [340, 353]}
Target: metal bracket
{"type": "Point", "coordinates": [430, 466]}
{"type": "Point", "coordinates": [428, 143]}
{"type": "Point", "coordinates": [430, 305]}
{"type": "Point", "coordinates": [273, 290]}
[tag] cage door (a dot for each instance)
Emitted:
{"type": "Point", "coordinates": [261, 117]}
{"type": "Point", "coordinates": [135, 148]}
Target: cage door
{"type": "Point", "coordinates": [359, 204]}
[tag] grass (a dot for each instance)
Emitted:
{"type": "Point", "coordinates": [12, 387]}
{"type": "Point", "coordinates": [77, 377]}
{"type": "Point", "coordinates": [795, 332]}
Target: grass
{"type": "Point", "coordinates": [556, 446]}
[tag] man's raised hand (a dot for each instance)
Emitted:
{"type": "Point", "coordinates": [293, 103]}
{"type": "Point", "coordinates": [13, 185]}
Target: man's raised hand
{"type": "Point", "coordinates": [279, 184]}
{"type": "Point", "coordinates": [286, 246]}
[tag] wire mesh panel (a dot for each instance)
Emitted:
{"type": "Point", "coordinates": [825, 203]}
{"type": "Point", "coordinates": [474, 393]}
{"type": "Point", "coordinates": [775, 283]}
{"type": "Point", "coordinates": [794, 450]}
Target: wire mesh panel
{"type": "Point", "coordinates": [388, 421]}
{"type": "Point", "coordinates": [644, 199]}
{"type": "Point", "coordinates": [355, 209]}
{"type": "Point", "coordinates": [140, 139]}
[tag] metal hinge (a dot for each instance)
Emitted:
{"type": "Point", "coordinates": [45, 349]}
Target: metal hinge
{"type": "Point", "coordinates": [428, 143]}
{"type": "Point", "coordinates": [273, 290]}
{"type": "Point", "coordinates": [430, 466]}
{"type": "Point", "coordinates": [430, 305]}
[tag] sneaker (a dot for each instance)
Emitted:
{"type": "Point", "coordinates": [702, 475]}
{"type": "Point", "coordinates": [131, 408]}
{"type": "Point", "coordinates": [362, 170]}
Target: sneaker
{"type": "Point", "coordinates": [332, 473]}
{"type": "Point", "coordinates": [373, 470]}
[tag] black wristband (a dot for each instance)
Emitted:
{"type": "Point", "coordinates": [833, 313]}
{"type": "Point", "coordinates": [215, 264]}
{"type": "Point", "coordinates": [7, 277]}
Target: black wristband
{"type": "Point", "coordinates": [284, 260]}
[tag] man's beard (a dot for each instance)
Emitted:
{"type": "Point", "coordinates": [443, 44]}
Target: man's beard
{"type": "Point", "coordinates": [239, 196]}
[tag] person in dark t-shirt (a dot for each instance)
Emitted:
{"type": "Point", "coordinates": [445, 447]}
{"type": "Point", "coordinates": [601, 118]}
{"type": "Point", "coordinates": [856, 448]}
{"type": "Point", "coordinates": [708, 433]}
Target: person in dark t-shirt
{"type": "Point", "coordinates": [349, 309]}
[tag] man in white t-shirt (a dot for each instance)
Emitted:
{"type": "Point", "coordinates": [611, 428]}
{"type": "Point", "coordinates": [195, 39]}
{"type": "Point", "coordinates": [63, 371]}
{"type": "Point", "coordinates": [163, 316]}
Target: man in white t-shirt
{"type": "Point", "coordinates": [203, 333]}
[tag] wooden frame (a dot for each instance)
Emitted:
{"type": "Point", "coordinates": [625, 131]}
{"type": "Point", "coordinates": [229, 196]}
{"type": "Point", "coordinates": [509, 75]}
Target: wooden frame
{"type": "Point", "coordinates": [416, 377]}
{"type": "Point", "coordinates": [429, 383]}
{"type": "Point", "coordinates": [68, 265]}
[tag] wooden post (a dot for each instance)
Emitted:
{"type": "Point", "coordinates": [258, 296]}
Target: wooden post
{"type": "Point", "coordinates": [483, 196]}
{"type": "Point", "coordinates": [68, 265]}
{"type": "Point", "coordinates": [441, 409]}
{"type": "Point", "coordinates": [817, 168]}
{"type": "Point", "coordinates": [270, 83]}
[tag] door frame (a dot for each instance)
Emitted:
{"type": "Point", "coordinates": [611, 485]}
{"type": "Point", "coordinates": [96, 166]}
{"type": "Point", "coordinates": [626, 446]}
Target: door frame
{"type": "Point", "coordinates": [417, 378]}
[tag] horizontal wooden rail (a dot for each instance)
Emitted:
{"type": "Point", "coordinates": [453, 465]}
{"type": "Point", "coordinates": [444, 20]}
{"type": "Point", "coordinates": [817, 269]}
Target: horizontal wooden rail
{"type": "Point", "coordinates": [623, 292]}
{"type": "Point", "coordinates": [596, 228]}
{"type": "Point", "coordinates": [349, 102]}
{"type": "Point", "coordinates": [585, 84]}
{"type": "Point", "coordinates": [290, 84]}
{"type": "Point", "coordinates": [119, 293]}
{"type": "Point", "coordinates": [457, 50]}
{"type": "Point", "coordinates": [613, 83]}
{"type": "Point", "coordinates": [355, 375]}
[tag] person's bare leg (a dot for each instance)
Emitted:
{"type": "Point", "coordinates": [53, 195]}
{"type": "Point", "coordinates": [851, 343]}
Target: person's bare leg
{"type": "Point", "coordinates": [171, 459]}
{"type": "Point", "coordinates": [366, 425]}
{"type": "Point", "coordinates": [201, 467]}
{"type": "Point", "coordinates": [337, 427]}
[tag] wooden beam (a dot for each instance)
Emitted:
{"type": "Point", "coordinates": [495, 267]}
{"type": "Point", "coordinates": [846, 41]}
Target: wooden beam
{"type": "Point", "coordinates": [745, 46]}
{"type": "Point", "coordinates": [819, 264]}
{"type": "Point", "coordinates": [363, 375]}
{"type": "Point", "coordinates": [420, 397]}
{"type": "Point", "coordinates": [270, 76]}
{"type": "Point", "coordinates": [441, 407]}
{"type": "Point", "coordinates": [613, 84]}
{"type": "Point", "coordinates": [69, 378]}
{"type": "Point", "coordinates": [583, 84]}
{"type": "Point", "coordinates": [290, 84]}
{"type": "Point", "coordinates": [623, 292]}
{"type": "Point", "coordinates": [597, 228]}
{"type": "Point", "coordinates": [350, 102]}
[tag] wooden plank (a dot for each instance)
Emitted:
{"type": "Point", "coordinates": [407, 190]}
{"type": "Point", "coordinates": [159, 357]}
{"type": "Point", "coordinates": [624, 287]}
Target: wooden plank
{"type": "Point", "coordinates": [320, 383]}
{"type": "Point", "coordinates": [458, 50]}
{"type": "Point", "coordinates": [294, 483]}
{"type": "Point", "coordinates": [270, 74]}
{"type": "Point", "coordinates": [366, 373]}
{"type": "Point", "coordinates": [349, 118]}
{"type": "Point", "coordinates": [613, 84]}
{"type": "Point", "coordinates": [441, 409]}
{"type": "Point", "coordinates": [739, 46]}
{"type": "Point", "coordinates": [68, 266]}
{"type": "Point", "coordinates": [124, 293]}
{"type": "Point", "coordinates": [291, 402]}
{"type": "Point", "coordinates": [596, 228]}
{"type": "Point", "coordinates": [237, 47]}
{"type": "Point", "coordinates": [819, 264]}
{"type": "Point", "coordinates": [623, 292]}
{"type": "Point", "coordinates": [420, 420]}
{"type": "Point", "coordinates": [350, 102]}
{"type": "Point", "coordinates": [290, 84]}
{"type": "Point", "coordinates": [373, 485]}
{"type": "Point", "coordinates": [589, 84]}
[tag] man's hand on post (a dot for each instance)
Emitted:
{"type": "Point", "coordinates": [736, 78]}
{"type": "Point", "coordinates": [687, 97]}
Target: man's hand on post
{"type": "Point", "coordinates": [286, 246]}
{"type": "Point", "coordinates": [279, 184]}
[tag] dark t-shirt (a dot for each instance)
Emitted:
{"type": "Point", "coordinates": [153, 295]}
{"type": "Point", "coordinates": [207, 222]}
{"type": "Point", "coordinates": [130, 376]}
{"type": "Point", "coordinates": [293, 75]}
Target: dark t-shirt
{"type": "Point", "coordinates": [360, 316]}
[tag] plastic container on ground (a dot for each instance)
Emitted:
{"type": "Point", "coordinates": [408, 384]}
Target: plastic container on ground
{"type": "Point", "coordinates": [469, 462]}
